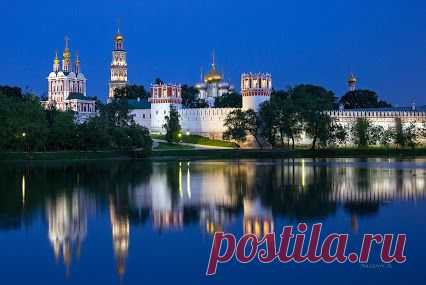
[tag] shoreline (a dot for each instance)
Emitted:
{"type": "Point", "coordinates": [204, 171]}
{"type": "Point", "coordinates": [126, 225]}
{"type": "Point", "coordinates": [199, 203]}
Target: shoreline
{"type": "Point", "coordinates": [183, 154]}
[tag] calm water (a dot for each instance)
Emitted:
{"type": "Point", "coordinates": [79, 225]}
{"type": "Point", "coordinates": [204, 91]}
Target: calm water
{"type": "Point", "coordinates": [122, 222]}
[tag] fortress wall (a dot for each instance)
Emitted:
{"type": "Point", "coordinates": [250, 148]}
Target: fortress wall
{"type": "Point", "coordinates": [204, 121]}
{"type": "Point", "coordinates": [142, 117]}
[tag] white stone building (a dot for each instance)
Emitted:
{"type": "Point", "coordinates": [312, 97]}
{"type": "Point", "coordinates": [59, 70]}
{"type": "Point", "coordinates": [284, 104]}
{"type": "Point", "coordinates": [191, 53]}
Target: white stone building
{"type": "Point", "coordinates": [255, 89]}
{"type": "Point", "coordinates": [201, 121]}
{"type": "Point", "coordinates": [67, 87]}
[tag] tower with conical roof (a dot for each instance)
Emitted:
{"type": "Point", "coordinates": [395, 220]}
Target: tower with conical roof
{"type": "Point", "coordinates": [352, 81]}
{"type": "Point", "coordinates": [118, 66]}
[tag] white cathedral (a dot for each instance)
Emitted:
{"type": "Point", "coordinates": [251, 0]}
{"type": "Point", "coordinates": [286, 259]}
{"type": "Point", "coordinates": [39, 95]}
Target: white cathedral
{"type": "Point", "coordinates": [67, 87]}
{"type": "Point", "coordinates": [67, 91]}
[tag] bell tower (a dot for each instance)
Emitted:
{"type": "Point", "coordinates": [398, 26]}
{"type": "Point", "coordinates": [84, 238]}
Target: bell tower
{"type": "Point", "coordinates": [118, 77]}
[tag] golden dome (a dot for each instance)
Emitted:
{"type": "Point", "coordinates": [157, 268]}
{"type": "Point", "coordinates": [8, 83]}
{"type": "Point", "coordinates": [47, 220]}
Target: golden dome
{"type": "Point", "coordinates": [213, 75]}
{"type": "Point", "coordinates": [67, 53]}
{"type": "Point", "coordinates": [56, 60]}
{"type": "Point", "coordinates": [118, 37]}
{"type": "Point", "coordinates": [352, 78]}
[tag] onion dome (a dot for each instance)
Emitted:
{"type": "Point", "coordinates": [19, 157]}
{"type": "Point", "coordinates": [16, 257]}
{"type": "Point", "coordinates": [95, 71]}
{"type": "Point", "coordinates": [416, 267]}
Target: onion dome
{"type": "Point", "coordinates": [56, 60]}
{"type": "Point", "coordinates": [201, 86]}
{"type": "Point", "coordinates": [213, 76]}
{"type": "Point", "coordinates": [118, 37]}
{"type": "Point", "coordinates": [224, 85]}
{"type": "Point", "coordinates": [352, 79]}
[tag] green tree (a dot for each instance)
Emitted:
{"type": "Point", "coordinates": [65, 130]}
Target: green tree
{"type": "Point", "coordinates": [362, 99]}
{"type": "Point", "coordinates": [313, 102]}
{"type": "Point", "coordinates": [361, 132]}
{"type": "Point", "coordinates": [131, 92]}
{"type": "Point", "coordinates": [337, 134]}
{"type": "Point", "coordinates": [388, 137]}
{"type": "Point", "coordinates": [410, 134]}
{"type": "Point", "coordinates": [268, 114]}
{"type": "Point", "coordinates": [280, 116]}
{"type": "Point", "coordinates": [399, 133]}
{"type": "Point", "coordinates": [116, 113]}
{"type": "Point", "coordinates": [235, 124]}
{"type": "Point", "coordinates": [62, 130]}
{"type": "Point", "coordinates": [172, 126]}
{"type": "Point", "coordinates": [252, 125]}
{"type": "Point", "coordinates": [229, 100]}
{"type": "Point", "coordinates": [375, 135]}
{"type": "Point", "coordinates": [23, 122]}
{"type": "Point", "coordinates": [189, 95]}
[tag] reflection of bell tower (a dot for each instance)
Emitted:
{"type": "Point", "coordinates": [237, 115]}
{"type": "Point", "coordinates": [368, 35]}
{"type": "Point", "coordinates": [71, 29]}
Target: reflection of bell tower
{"type": "Point", "coordinates": [257, 219]}
{"type": "Point", "coordinates": [120, 238]}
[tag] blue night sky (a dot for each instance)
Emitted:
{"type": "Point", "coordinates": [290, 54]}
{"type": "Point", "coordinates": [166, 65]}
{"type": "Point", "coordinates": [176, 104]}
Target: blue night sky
{"type": "Point", "coordinates": [320, 42]}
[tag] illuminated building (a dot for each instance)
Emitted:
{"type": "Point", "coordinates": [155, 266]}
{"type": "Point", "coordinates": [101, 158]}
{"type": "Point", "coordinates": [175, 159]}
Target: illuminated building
{"type": "Point", "coordinates": [118, 76]}
{"type": "Point", "coordinates": [213, 85]}
{"type": "Point", "coordinates": [67, 87]}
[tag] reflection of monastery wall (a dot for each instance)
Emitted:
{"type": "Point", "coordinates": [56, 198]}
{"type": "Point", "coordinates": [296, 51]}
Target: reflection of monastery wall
{"type": "Point", "coordinates": [215, 192]}
{"type": "Point", "coordinates": [379, 185]}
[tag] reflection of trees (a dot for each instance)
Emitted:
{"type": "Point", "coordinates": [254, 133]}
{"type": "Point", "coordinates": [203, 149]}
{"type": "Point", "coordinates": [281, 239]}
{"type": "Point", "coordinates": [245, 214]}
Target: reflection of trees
{"type": "Point", "coordinates": [287, 187]}
{"type": "Point", "coordinates": [44, 180]}
{"type": "Point", "coordinates": [298, 189]}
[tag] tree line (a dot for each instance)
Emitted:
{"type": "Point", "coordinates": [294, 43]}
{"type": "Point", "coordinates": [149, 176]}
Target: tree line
{"type": "Point", "coordinates": [26, 126]}
{"type": "Point", "coordinates": [302, 110]}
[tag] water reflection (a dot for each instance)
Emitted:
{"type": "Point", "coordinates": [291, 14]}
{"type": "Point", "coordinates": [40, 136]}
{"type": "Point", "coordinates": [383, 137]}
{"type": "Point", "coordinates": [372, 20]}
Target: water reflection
{"type": "Point", "coordinates": [212, 194]}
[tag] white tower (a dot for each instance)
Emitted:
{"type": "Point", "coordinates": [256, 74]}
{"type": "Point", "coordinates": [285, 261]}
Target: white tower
{"type": "Point", "coordinates": [163, 97]}
{"type": "Point", "coordinates": [256, 88]}
{"type": "Point", "coordinates": [118, 66]}
{"type": "Point", "coordinates": [352, 81]}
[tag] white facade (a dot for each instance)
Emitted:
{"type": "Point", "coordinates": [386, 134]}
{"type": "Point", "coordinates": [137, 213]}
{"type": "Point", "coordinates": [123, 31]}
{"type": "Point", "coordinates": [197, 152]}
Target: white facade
{"type": "Point", "coordinates": [163, 98]}
{"type": "Point", "coordinates": [206, 122]}
{"type": "Point", "coordinates": [118, 68]}
{"type": "Point", "coordinates": [255, 89]}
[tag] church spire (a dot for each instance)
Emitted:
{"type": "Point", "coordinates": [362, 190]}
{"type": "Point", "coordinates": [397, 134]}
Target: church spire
{"type": "Point", "coordinates": [352, 81]}
{"type": "Point", "coordinates": [213, 59]}
{"type": "Point", "coordinates": [77, 63]}
{"type": "Point", "coordinates": [118, 40]}
{"type": "Point", "coordinates": [66, 57]}
{"type": "Point", "coordinates": [56, 62]}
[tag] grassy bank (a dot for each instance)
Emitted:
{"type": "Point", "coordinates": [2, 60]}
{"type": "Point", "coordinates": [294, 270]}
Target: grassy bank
{"type": "Point", "coordinates": [194, 139]}
{"type": "Point", "coordinates": [172, 146]}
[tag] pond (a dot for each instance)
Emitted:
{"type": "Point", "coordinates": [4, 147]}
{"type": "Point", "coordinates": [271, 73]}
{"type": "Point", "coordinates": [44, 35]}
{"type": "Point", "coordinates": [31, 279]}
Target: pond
{"type": "Point", "coordinates": [136, 222]}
